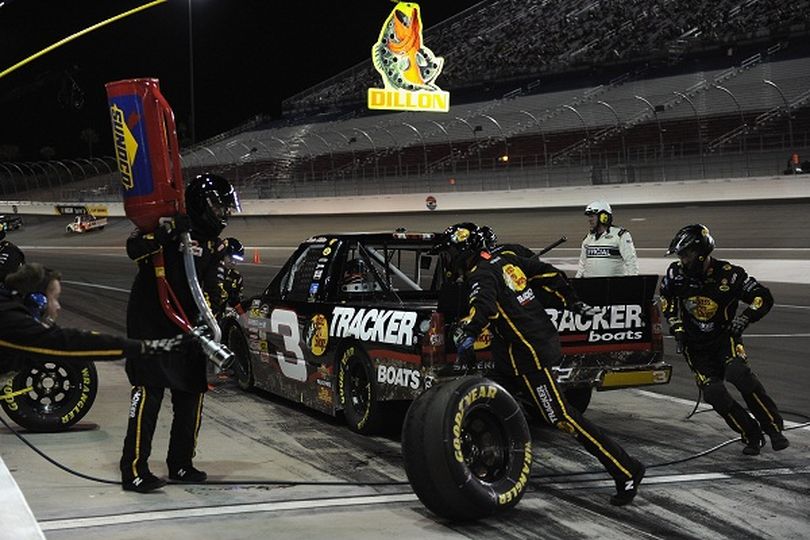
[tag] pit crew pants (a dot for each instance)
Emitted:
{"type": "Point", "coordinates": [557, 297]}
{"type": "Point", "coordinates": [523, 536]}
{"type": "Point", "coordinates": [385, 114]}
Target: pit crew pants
{"type": "Point", "coordinates": [143, 413]}
{"type": "Point", "coordinates": [555, 410]}
{"type": "Point", "coordinates": [726, 361]}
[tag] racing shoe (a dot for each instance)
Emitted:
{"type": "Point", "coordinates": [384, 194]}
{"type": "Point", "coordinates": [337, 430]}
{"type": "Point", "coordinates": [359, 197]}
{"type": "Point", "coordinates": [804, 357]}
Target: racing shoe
{"type": "Point", "coordinates": [626, 490]}
{"type": "Point", "coordinates": [753, 444]}
{"type": "Point", "coordinates": [779, 441]}
{"type": "Point", "coordinates": [143, 484]}
{"type": "Point", "coordinates": [188, 475]}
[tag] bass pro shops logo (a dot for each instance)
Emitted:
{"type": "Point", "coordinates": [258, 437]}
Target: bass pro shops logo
{"type": "Point", "coordinates": [408, 68]}
{"type": "Point", "coordinates": [126, 147]}
{"type": "Point", "coordinates": [380, 325]}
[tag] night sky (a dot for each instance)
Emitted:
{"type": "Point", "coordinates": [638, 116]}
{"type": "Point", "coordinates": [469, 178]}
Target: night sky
{"type": "Point", "coordinates": [248, 56]}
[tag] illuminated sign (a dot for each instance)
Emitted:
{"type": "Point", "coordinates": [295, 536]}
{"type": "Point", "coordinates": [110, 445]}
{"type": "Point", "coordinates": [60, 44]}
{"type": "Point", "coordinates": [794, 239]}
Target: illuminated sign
{"type": "Point", "coordinates": [407, 67]}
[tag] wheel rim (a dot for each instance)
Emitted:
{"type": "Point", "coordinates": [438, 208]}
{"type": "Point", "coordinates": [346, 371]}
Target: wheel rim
{"type": "Point", "coordinates": [50, 386]}
{"type": "Point", "coordinates": [484, 445]}
{"type": "Point", "coordinates": [359, 386]}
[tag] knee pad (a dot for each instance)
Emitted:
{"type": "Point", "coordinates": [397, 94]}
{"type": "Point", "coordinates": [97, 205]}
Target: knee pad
{"type": "Point", "coordinates": [716, 395]}
{"type": "Point", "coordinates": [740, 375]}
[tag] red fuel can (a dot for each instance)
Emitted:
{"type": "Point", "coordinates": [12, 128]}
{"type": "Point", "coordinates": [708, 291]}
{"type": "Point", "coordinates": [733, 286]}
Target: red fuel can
{"type": "Point", "coordinates": [146, 149]}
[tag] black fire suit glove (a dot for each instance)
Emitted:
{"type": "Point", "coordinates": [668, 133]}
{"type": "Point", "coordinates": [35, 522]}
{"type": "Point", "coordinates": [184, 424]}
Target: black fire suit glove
{"type": "Point", "coordinates": [465, 347]}
{"type": "Point", "coordinates": [583, 310]}
{"type": "Point", "coordinates": [677, 330]}
{"type": "Point", "coordinates": [738, 325]}
{"type": "Point", "coordinates": [171, 230]}
{"type": "Point", "coordinates": [181, 343]}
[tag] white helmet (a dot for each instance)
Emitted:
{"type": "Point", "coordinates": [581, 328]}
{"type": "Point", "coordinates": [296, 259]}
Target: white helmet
{"type": "Point", "coordinates": [602, 210]}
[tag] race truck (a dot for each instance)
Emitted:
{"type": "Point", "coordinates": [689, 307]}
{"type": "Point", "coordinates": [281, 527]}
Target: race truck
{"type": "Point", "coordinates": [10, 223]}
{"type": "Point", "coordinates": [85, 223]}
{"type": "Point", "coordinates": [354, 322]}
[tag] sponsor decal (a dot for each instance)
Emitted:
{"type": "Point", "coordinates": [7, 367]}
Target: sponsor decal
{"type": "Point", "coordinates": [514, 277]}
{"type": "Point", "coordinates": [408, 68]}
{"type": "Point", "coordinates": [479, 392]}
{"type": "Point", "coordinates": [701, 307]}
{"type": "Point", "coordinates": [525, 297]}
{"type": "Point", "coordinates": [326, 251]}
{"type": "Point", "coordinates": [757, 303]}
{"type": "Point", "coordinates": [620, 322]}
{"type": "Point", "coordinates": [133, 407]}
{"type": "Point", "coordinates": [325, 394]}
{"type": "Point", "coordinates": [317, 334]}
{"type": "Point", "coordinates": [381, 325]}
{"type": "Point", "coordinates": [547, 403]}
{"type": "Point", "coordinates": [126, 147]}
{"type": "Point", "coordinates": [483, 341]}
{"type": "Point", "coordinates": [724, 285]}
{"type": "Point", "coordinates": [507, 496]}
{"type": "Point", "coordinates": [601, 252]}
{"type": "Point", "coordinates": [71, 210]}
{"type": "Point", "coordinates": [397, 376]}
{"type": "Point", "coordinates": [313, 288]}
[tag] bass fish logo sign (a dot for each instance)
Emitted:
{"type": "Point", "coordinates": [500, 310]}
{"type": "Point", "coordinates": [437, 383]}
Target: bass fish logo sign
{"type": "Point", "coordinates": [408, 68]}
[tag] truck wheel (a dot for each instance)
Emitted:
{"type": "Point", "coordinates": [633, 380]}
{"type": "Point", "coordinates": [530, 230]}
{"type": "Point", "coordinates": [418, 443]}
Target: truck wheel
{"type": "Point", "coordinates": [358, 393]}
{"type": "Point", "coordinates": [55, 396]}
{"type": "Point", "coordinates": [579, 398]}
{"type": "Point", "coordinates": [242, 368]}
{"type": "Point", "coordinates": [467, 449]}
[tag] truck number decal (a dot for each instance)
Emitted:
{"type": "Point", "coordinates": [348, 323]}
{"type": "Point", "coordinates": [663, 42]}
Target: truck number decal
{"type": "Point", "coordinates": [290, 360]}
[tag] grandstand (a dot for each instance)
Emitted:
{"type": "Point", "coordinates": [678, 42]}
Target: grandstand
{"type": "Point", "coordinates": [549, 93]}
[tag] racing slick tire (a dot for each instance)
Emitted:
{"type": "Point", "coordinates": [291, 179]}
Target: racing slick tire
{"type": "Point", "coordinates": [358, 392]}
{"type": "Point", "coordinates": [55, 394]}
{"type": "Point", "coordinates": [467, 449]}
{"type": "Point", "coordinates": [242, 368]}
{"type": "Point", "coordinates": [579, 398]}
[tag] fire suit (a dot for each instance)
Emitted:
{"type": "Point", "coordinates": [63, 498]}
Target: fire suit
{"type": "Point", "coordinates": [703, 307]}
{"type": "Point", "coordinates": [23, 337]}
{"type": "Point", "coordinates": [525, 344]}
{"type": "Point", "coordinates": [608, 254]}
{"type": "Point", "coordinates": [184, 375]}
{"type": "Point", "coordinates": [234, 286]}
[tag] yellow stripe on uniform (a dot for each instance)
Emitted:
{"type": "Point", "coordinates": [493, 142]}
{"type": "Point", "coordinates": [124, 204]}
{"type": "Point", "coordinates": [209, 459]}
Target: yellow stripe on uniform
{"type": "Point", "coordinates": [57, 352]}
{"type": "Point", "coordinates": [764, 408]}
{"type": "Point", "coordinates": [582, 430]}
{"type": "Point", "coordinates": [544, 276]}
{"type": "Point", "coordinates": [520, 336]}
{"type": "Point", "coordinates": [555, 293]}
{"type": "Point", "coordinates": [197, 423]}
{"type": "Point", "coordinates": [534, 397]}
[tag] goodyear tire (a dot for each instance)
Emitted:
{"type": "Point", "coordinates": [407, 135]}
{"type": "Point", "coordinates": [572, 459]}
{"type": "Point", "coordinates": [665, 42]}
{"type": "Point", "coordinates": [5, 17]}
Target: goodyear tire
{"type": "Point", "coordinates": [357, 392]}
{"type": "Point", "coordinates": [467, 449]}
{"type": "Point", "coordinates": [579, 398]}
{"type": "Point", "coordinates": [54, 394]}
{"type": "Point", "coordinates": [242, 368]}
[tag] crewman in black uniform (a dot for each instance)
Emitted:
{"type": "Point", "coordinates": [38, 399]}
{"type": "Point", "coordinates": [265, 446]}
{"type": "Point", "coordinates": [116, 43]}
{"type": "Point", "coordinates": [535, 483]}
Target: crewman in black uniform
{"type": "Point", "coordinates": [233, 282]}
{"type": "Point", "coordinates": [699, 299]}
{"type": "Point", "coordinates": [525, 343]}
{"type": "Point", "coordinates": [209, 201]}
{"type": "Point", "coordinates": [11, 257]}
{"type": "Point", "coordinates": [29, 305]}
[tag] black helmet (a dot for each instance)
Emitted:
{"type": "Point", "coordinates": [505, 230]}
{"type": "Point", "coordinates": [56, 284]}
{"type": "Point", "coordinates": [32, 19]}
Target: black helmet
{"type": "Point", "coordinates": [695, 236]}
{"type": "Point", "coordinates": [489, 237]}
{"type": "Point", "coordinates": [209, 201]}
{"type": "Point", "coordinates": [458, 245]}
{"type": "Point", "coordinates": [234, 249]}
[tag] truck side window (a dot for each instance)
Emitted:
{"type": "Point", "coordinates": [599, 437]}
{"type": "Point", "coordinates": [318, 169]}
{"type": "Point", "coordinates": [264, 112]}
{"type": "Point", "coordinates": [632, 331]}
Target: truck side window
{"type": "Point", "coordinates": [299, 280]}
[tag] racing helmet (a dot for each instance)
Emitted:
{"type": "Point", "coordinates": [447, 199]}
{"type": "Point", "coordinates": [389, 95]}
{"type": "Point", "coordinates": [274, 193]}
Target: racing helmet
{"type": "Point", "coordinates": [355, 276]}
{"type": "Point", "coordinates": [489, 237]}
{"type": "Point", "coordinates": [234, 249]}
{"type": "Point", "coordinates": [696, 237]}
{"type": "Point", "coordinates": [458, 246]}
{"type": "Point", "coordinates": [209, 201]}
{"type": "Point", "coordinates": [602, 210]}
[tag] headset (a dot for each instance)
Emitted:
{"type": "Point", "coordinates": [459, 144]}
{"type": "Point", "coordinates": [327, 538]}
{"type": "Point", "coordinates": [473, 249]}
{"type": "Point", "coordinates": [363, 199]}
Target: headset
{"type": "Point", "coordinates": [37, 304]}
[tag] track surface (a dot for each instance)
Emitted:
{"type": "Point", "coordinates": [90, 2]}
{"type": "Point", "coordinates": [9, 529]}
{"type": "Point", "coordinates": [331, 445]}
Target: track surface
{"type": "Point", "coordinates": [723, 494]}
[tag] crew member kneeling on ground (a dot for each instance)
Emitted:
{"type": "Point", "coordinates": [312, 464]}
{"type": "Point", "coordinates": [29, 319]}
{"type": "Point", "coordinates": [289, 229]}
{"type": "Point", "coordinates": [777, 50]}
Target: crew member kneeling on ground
{"type": "Point", "coordinates": [209, 201]}
{"type": "Point", "coordinates": [29, 306]}
{"type": "Point", "coordinates": [606, 250]}
{"type": "Point", "coordinates": [699, 298]}
{"type": "Point", "coordinates": [525, 343]}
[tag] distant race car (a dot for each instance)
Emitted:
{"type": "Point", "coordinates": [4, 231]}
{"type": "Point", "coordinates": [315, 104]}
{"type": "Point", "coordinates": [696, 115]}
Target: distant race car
{"type": "Point", "coordinates": [354, 321]}
{"type": "Point", "coordinates": [10, 223]}
{"type": "Point", "coordinates": [85, 223]}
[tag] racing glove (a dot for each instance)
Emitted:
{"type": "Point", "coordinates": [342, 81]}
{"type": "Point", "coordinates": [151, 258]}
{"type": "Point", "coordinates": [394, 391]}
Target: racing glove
{"type": "Point", "coordinates": [583, 310]}
{"type": "Point", "coordinates": [738, 325]}
{"type": "Point", "coordinates": [465, 353]}
{"type": "Point", "coordinates": [180, 343]}
{"type": "Point", "coordinates": [171, 230]}
{"type": "Point", "coordinates": [678, 332]}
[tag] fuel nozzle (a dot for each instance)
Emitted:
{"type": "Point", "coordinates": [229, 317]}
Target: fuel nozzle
{"type": "Point", "coordinates": [219, 354]}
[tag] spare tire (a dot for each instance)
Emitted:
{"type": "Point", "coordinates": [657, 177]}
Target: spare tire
{"type": "Point", "coordinates": [51, 395]}
{"type": "Point", "coordinates": [467, 449]}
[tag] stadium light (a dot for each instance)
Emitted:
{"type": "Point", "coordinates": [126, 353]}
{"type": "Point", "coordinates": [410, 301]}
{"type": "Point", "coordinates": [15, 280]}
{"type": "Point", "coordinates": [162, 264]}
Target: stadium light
{"type": "Point", "coordinates": [787, 108]}
{"type": "Point", "coordinates": [192, 123]}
